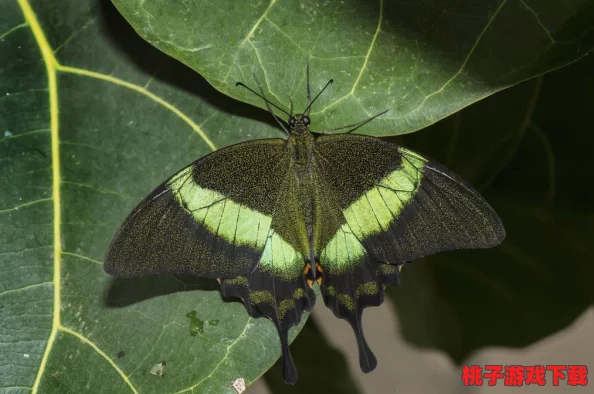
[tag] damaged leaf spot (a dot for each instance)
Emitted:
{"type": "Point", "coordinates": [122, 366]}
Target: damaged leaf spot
{"type": "Point", "coordinates": [157, 369]}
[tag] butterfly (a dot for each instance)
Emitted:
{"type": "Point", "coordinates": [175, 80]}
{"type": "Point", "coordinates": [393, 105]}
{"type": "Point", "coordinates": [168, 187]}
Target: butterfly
{"type": "Point", "coordinates": [271, 218]}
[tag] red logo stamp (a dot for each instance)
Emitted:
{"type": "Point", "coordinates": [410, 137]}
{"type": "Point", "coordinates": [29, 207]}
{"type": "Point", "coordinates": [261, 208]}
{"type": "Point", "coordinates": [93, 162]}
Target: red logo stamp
{"type": "Point", "coordinates": [519, 375]}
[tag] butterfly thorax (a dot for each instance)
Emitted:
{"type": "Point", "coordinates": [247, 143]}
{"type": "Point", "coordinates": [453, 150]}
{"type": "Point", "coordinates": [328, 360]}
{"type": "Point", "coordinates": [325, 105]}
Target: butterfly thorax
{"type": "Point", "coordinates": [301, 147]}
{"type": "Point", "coordinates": [301, 141]}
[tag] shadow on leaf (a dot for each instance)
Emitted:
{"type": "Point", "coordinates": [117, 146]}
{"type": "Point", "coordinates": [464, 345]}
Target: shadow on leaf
{"type": "Point", "coordinates": [123, 292]}
{"type": "Point", "coordinates": [169, 70]}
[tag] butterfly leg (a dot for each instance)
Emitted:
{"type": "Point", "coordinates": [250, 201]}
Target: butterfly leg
{"type": "Point", "coordinates": [355, 126]}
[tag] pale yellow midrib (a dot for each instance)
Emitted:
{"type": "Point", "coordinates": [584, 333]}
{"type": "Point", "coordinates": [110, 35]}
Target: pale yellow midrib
{"type": "Point", "coordinates": [48, 59]}
{"type": "Point", "coordinates": [51, 68]}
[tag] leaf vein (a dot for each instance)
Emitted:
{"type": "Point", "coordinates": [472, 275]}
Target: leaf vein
{"type": "Point", "coordinates": [371, 45]}
{"type": "Point", "coordinates": [26, 133]}
{"type": "Point", "coordinates": [12, 30]}
{"type": "Point", "coordinates": [101, 353]}
{"type": "Point", "coordinates": [102, 191]}
{"type": "Point", "coordinates": [553, 41]}
{"type": "Point", "coordinates": [79, 256]}
{"type": "Point", "coordinates": [466, 60]}
{"type": "Point", "coordinates": [24, 288]}
{"type": "Point", "coordinates": [248, 36]}
{"type": "Point", "coordinates": [25, 205]}
{"type": "Point", "coordinates": [240, 336]}
{"type": "Point", "coordinates": [141, 90]}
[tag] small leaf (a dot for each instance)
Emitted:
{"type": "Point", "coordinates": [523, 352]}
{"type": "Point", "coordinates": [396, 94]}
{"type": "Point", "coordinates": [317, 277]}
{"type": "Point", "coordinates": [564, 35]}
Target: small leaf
{"type": "Point", "coordinates": [422, 60]}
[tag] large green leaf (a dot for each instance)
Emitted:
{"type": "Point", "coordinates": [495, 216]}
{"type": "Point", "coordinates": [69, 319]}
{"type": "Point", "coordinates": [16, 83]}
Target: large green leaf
{"type": "Point", "coordinates": [91, 120]}
{"type": "Point", "coordinates": [528, 149]}
{"type": "Point", "coordinates": [422, 60]}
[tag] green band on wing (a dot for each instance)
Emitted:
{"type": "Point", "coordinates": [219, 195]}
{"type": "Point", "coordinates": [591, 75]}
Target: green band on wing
{"type": "Point", "coordinates": [299, 293]}
{"type": "Point", "coordinates": [368, 288]}
{"type": "Point", "coordinates": [343, 251]}
{"type": "Point", "coordinates": [226, 218]}
{"type": "Point", "coordinates": [378, 207]}
{"type": "Point", "coordinates": [284, 306]}
{"type": "Point", "coordinates": [415, 159]}
{"type": "Point", "coordinates": [280, 258]}
{"type": "Point", "coordinates": [239, 281]}
{"type": "Point", "coordinates": [344, 299]}
{"type": "Point", "coordinates": [289, 304]}
{"type": "Point", "coordinates": [261, 297]}
{"type": "Point", "coordinates": [373, 213]}
{"type": "Point", "coordinates": [388, 269]}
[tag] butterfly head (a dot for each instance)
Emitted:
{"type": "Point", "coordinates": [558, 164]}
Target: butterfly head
{"type": "Point", "coordinates": [299, 124]}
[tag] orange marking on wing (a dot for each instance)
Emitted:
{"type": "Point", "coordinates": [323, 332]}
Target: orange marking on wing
{"type": "Point", "coordinates": [307, 268]}
{"type": "Point", "coordinates": [305, 272]}
{"type": "Point", "coordinates": [319, 268]}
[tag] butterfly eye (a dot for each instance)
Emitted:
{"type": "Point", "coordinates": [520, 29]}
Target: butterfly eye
{"type": "Point", "coordinates": [306, 120]}
{"type": "Point", "coordinates": [291, 121]}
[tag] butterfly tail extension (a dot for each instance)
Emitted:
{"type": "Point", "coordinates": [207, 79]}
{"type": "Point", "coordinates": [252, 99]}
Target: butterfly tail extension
{"type": "Point", "coordinates": [280, 298]}
{"type": "Point", "coordinates": [367, 360]}
{"type": "Point", "coordinates": [289, 369]}
{"type": "Point", "coordinates": [349, 288]}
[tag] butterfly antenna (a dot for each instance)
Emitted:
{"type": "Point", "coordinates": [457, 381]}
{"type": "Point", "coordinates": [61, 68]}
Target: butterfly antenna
{"type": "Point", "coordinates": [314, 100]}
{"type": "Point", "coordinates": [308, 87]}
{"type": "Point", "coordinates": [291, 109]}
{"type": "Point", "coordinates": [355, 126]}
{"type": "Point", "coordinates": [268, 104]}
{"type": "Point", "coordinates": [261, 96]}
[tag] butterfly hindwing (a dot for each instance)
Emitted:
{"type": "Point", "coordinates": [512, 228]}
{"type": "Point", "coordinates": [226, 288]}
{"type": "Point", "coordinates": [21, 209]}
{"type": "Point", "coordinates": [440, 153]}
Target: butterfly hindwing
{"type": "Point", "coordinates": [352, 278]}
{"type": "Point", "coordinates": [211, 219]}
{"type": "Point", "coordinates": [381, 206]}
{"type": "Point", "coordinates": [280, 297]}
{"type": "Point", "coordinates": [277, 289]}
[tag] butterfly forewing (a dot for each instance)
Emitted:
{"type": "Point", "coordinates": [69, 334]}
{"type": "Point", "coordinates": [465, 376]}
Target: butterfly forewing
{"type": "Point", "coordinates": [408, 206]}
{"type": "Point", "coordinates": [212, 219]}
